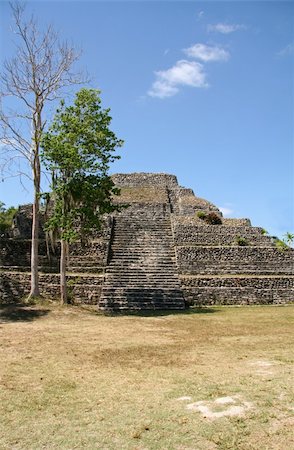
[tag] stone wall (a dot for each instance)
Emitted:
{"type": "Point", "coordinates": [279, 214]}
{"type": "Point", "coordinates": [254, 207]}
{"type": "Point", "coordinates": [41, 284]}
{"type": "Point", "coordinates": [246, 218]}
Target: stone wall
{"type": "Point", "coordinates": [237, 296]}
{"type": "Point", "coordinates": [18, 252]}
{"type": "Point", "coordinates": [218, 235]}
{"type": "Point", "coordinates": [145, 179]}
{"type": "Point", "coordinates": [84, 289]}
{"type": "Point", "coordinates": [254, 282]}
{"type": "Point", "coordinates": [85, 270]}
{"type": "Point", "coordinates": [236, 222]}
{"type": "Point", "coordinates": [234, 260]}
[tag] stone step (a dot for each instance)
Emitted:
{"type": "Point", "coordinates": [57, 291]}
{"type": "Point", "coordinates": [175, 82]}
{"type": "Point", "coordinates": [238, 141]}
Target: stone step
{"type": "Point", "coordinates": [145, 228]}
{"type": "Point", "coordinates": [162, 247]}
{"type": "Point", "coordinates": [108, 288]}
{"type": "Point", "coordinates": [115, 278]}
{"type": "Point", "coordinates": [147, 285]}
{"type": "Point", "coordinates": [138, 290]}
{"type": "Point", "coordinates": [134, 279]}
{"type": "Point", "coordinates": [129, 271]}
{"type": "Point", "coordinates": [84, 269]}
{"type": "Point", "coordinates": [157, 225]}
{"type": "Point", "coordinates": [147, 241]}
{"type": "Point", "coordinates": [123, 303]}
{"type": "Point", "coordinates": [132, 275]}
{"type": "Point", "coordinates": [141, 273]}
{"type": "Point", "coordinates": [126, 235]}
{"type": "Point", "coordinates": [142, 222]}
{"type": "Point", "coordinates": [142, 303]}
{"type": "Point", "coordinates": [143, 262]}
{"type": "Point", "coordinates": [135, 243]}
{"type": "Point", "coordinates": [146, 252]}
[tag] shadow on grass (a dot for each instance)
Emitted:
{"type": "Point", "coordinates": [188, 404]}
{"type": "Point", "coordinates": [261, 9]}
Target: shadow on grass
{"type": "Point", "coordinates": [161, 313]}
{"type": "Point", "coordinates": [20, 313]}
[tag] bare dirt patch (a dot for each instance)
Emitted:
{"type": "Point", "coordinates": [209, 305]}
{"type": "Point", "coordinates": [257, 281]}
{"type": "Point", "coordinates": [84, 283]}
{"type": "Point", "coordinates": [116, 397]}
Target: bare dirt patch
{"type": "Point", "coordinates": [221, 407]}
{"type": "Point", "coordinates": [263, 367]}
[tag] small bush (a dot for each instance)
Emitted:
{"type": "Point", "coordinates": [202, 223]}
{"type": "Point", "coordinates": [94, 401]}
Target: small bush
{"type": "Point", "coordinates": [213, 219]}
{"type": "Point", "coordinates": [201, 215]}
{"type": "Point", "coordinates": [241, 241]}
{"type": "Point", "coordinates": [281, 245]}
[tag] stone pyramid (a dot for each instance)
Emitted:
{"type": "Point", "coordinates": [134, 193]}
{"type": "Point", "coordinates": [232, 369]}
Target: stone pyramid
{"type": "Point", "coordinates": [168, 250]}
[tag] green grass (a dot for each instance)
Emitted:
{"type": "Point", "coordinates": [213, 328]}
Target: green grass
{"type": "Point", "coordinates": [73, 379]}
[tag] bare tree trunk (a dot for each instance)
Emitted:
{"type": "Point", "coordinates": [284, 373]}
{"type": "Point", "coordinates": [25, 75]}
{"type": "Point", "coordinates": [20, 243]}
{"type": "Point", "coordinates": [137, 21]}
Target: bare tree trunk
{"type": "Point", "coordinates": [35, 291]}
{"type": "Point", "coordinates": [63, 260]}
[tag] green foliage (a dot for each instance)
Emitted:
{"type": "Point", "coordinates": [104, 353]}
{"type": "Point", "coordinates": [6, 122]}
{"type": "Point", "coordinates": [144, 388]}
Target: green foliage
{"type": "Point", "coordinates": [288, 238]}
{"type": "Point", "coordinates": [78, 149]}
{"type": "Point", "coordinates": [285, 243]}
{"type": "Point", "coordinates": [201, 215]}
{"type": "Point", "coordinates": [6, 217]}
{"type": "Point", "coordinates": [241, 241]}
{"type": "Point", "coordinates": [281, 245]}
{"type": "Point", "coordinates": [264, 232]}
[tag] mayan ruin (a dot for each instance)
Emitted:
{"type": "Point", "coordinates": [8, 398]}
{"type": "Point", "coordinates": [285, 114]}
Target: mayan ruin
{"type": "Point", "coordinates": [168, 249]}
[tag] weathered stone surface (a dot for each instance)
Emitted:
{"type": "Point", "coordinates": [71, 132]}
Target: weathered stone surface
{"type": "Point", "coordinates": [213, 235]}
{"type": "Point", "coordinates": [234, 260]}
{"type": "Point", "coordinates": [145, 179]}
{"type": "Point", "coordinates": [156, 254]}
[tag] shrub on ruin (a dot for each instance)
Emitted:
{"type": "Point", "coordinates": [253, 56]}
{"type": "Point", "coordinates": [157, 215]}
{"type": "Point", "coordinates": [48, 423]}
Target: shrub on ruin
{"type": "Point", "coordinates": [201, 215]}
{"type": "Point", "coordinates": [241, 241]}
{"type": "Point", "coordinates": [213, 219]}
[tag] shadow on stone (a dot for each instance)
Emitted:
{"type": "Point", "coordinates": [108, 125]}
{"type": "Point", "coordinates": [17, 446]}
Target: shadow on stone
{"type": "Point", "coordinates": [20, 313]}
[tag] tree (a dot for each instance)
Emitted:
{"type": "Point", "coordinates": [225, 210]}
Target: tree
{"type": "Point", "coordinates": [33, 78]}
{"type": "Point", "coordinates": [289, 238]}
{"type": "Point", "coordinates": [78, 149]}
{"type": "Point", "coordinates": [6, 218]}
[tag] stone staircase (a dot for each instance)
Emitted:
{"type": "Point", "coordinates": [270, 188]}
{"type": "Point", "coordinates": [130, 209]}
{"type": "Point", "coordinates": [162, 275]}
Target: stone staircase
{"type": "Point", "coordinates": [141, 273]}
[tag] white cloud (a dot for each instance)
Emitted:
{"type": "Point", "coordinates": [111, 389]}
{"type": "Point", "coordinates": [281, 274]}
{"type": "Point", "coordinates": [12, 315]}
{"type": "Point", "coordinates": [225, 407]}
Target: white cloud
{"type": "Point", "coordinates": [287, 51]}
{"type": "Point", "coordinates": [226, 211]}
{"type": "Point", "coordinates": [207, 53]}
{"type": "Point", "coordinates": [183, 73]}
{"type": "Point", "coordinates": [200, 15]}
{"type": "Point", "coordinates": [225, 28]}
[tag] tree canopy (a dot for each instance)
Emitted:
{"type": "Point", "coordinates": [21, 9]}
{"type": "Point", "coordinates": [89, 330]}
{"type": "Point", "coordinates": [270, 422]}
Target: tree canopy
{"type": "Point", "coordinates": [78, 150]}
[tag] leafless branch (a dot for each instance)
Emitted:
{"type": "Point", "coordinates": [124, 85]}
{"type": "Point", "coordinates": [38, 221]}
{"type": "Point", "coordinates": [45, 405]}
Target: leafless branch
{"type": "Point", "coordinates": [34, 77]}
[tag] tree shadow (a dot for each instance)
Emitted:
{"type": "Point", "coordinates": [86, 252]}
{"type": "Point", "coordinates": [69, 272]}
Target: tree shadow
{"type": "Point", "coordinates": [20, 313]}
{"type": "Point", "coordinates": [162, 313]}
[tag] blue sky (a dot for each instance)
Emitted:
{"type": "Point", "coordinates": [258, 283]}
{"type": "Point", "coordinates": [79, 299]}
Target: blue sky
{"type": "Point", "coordinates": [203, 90]}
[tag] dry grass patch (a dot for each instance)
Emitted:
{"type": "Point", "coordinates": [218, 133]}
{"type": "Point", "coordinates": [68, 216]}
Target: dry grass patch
{"type": "Point", "coordinates": [71, 378]}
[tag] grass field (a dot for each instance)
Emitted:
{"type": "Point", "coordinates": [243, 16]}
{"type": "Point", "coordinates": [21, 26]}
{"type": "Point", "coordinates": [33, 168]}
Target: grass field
{"type": "Point", "coordinates": [216, 378]}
